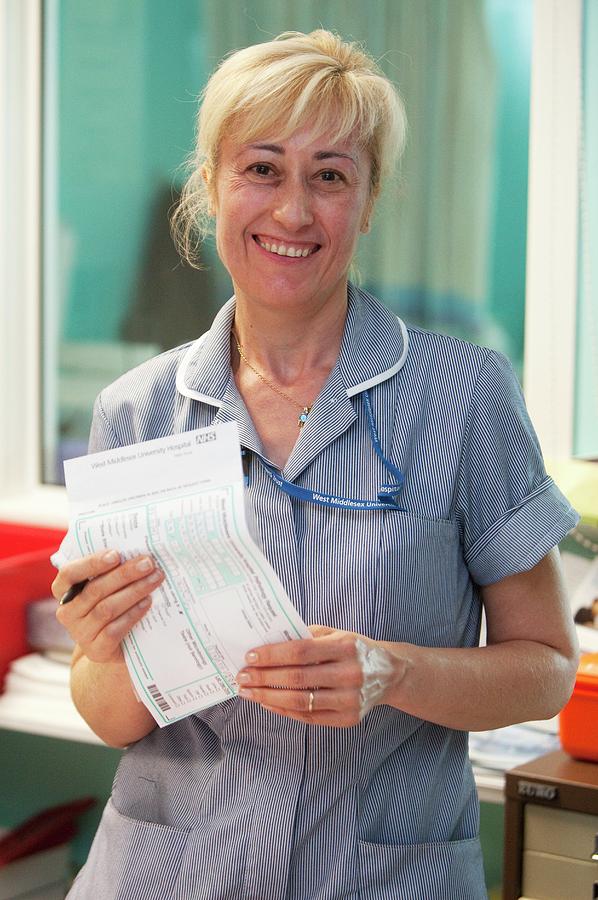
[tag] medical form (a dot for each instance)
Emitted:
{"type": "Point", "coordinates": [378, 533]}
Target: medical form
{"type": "Point", "coordinates": [181, 499]}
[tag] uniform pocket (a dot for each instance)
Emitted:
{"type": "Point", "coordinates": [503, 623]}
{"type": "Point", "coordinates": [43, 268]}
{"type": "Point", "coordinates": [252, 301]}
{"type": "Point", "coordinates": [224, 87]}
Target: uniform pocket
{"type": "Point", "coordinates": [422, 594]}
{"type": "Point", "coordinates": [130, 860]}
{"type": "Point", "coordinates": [450, 870]}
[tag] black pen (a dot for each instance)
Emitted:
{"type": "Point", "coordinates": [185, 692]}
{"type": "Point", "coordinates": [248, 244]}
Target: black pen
{"type": "Point", "coordinates": [72, 592]}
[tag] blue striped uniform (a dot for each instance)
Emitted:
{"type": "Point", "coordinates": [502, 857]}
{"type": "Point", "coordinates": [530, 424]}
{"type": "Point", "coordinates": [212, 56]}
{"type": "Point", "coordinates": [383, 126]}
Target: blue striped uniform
{"type": "Point", "coordinates": [236, 803]}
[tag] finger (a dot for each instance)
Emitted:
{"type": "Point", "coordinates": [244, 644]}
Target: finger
{"type": "Point", "coordinates": [108, 641]}
{"type": "Point", "coordinates": [99, 610]}
{"type": "Point", "coordinates": [110, 582]}
{"type": "Point", "coordinates": [299, 701]}
{"type": "Point", "coordinates": [345, 674]}
{"type": "Point", "coordinates": [319, 631]}
{"type": "Point", "coordinates": [339, 645]}
{"type": "Point", "coordinates": [83, 569]}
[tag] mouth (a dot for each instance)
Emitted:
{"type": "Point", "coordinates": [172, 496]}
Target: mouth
{"type": "Point", "coordinates": [278, 248]}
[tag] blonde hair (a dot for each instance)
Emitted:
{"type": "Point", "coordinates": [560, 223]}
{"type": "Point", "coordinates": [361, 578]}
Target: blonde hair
{"type": "Point", "coordinates": [276, 88]}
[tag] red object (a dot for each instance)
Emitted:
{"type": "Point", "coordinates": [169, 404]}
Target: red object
{"type": "Point", "coordinates": [578, 721]}
{"type": "Point", "coordinates": [26, 574]}
{"type": "Point", "coordinates": [47, 829]}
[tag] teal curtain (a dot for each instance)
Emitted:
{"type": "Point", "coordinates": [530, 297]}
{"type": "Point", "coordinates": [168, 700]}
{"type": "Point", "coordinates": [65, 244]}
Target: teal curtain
{"type": "Point", "coordinates": [428, 254]}
{"type": "Point", "coordinates": [447, 247]}
{"type": "Point", "coordinates": [585, 444]}
{"type": "Point", "coordinates": [448, 243]}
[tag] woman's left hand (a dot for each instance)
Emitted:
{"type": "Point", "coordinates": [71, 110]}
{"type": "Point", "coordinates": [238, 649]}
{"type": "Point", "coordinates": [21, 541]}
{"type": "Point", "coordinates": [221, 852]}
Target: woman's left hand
{"type": "Point", "coordinates": [332, 680]}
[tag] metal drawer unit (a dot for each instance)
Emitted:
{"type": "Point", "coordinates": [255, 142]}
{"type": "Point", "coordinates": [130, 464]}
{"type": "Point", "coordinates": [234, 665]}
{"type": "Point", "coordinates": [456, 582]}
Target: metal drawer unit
{"type": "Point", "coordinates": [551, 830]}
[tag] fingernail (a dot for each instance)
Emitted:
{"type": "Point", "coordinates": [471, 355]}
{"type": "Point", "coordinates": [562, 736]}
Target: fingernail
{"type": "Point", "coordinates": [251, 657]}
{"type": "Point", "coordinates": [111, 556]}
{"type": "Point", "coordinates": [244, 678]}
{"type": "Point", "coordinates": [246, 692]}
{"type": "Point", "coordinates": [143, 604]}
{"type": "Point", "coordinates": [145, 564]}
{"type": "Point", "coordinates": [155, 576]}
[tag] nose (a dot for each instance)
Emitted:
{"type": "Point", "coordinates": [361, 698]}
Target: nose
{"type": "Point", "coordinates": [293, 206]}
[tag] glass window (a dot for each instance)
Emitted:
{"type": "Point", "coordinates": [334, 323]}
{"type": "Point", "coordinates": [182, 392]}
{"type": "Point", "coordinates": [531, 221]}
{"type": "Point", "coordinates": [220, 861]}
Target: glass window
{"type": "Point", "coordinates": [447, 247]}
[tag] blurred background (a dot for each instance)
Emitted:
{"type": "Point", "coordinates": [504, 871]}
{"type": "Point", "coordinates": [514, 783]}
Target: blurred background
{"type": "Point", "coordinates": [488, 232]}
{"type": "Point", "coordinates": [114, 90]}
{"type": "Point", "coordinates": [448, 247]}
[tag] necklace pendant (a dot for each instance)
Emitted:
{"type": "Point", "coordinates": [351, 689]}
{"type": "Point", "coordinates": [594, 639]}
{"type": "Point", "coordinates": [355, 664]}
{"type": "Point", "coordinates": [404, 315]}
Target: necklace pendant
{"type": "Point", "coordinates": [303, 416]}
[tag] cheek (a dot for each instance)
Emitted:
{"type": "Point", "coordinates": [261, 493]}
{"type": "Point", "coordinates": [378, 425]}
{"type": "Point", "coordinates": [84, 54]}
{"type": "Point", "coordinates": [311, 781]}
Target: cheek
{"type": "Point", "coordinates": [348, 223]}
{"type": "Point", "coordinates": [231, 236]}
{"type": "Point", "coordinates": [351, 229]}
{"type": "Point", "coordinates": [236, 209]}
{"type": "Point", "coordinates": [224, 242]}
{"type": "Point", "coordinates": [228, 220]}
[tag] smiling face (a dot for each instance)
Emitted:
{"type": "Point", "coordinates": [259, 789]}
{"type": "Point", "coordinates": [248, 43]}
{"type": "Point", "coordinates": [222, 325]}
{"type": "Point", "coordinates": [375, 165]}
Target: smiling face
{"type": "Point", "coordinates": [288, 216]}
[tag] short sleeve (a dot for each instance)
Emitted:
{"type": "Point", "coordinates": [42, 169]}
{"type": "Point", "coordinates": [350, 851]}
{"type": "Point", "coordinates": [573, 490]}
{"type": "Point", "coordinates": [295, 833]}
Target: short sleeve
{"type": "Point", "coordinates": [509, 510]}
{"type": "Point", "coordinates": [101, 435]}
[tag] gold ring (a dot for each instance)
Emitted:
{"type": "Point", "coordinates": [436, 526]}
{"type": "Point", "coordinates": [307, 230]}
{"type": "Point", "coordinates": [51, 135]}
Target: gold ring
{"type": "Point", "coordinates": [310, 705]}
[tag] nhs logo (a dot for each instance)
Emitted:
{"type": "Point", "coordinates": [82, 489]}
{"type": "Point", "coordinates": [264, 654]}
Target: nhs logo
{"type": "Point", "coordinates": [205, 437]}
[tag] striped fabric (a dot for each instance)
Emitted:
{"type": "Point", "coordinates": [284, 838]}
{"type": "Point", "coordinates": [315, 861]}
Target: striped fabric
{"type": "Point", "coordinates": [238, 804]}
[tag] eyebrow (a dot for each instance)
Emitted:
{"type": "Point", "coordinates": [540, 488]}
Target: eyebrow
{"type": "Point", "coordinates": [321, 154]}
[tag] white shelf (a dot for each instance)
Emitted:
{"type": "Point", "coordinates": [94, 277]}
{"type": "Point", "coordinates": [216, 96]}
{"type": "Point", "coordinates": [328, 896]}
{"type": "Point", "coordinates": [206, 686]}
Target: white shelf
{"type": "Point", "coordinates": [37, 700]}
{"type": "Point", "coordinates": [490, 785]}
{"type": "Point", "coordinates": [20, 714]}
{"type": "Point", "coordinates": [58, 720]}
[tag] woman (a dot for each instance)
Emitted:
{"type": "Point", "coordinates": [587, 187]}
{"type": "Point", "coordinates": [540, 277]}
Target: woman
{"type": "Point", "coordinates": [342, 770]}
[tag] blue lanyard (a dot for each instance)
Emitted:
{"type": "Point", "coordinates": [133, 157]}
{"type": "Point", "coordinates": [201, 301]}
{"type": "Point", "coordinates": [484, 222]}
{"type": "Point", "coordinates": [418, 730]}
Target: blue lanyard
{"type": "Point", "coordinates": [386, 495]}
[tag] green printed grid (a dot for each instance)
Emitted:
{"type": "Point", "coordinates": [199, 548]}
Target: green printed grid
{"type": "Point", "coordinates": [180, 599]}
{"type": "Point", "coordinates": [240, 533]}
{"type": "Point", "coordinates": [146, 507]}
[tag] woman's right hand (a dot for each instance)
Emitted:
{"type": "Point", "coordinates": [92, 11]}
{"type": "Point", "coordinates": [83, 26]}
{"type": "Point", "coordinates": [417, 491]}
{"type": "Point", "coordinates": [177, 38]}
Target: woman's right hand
{"type": "Point", "coordinates": [115, 598]}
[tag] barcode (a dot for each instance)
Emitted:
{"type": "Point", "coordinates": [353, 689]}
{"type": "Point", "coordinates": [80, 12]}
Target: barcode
{"type": "Point", "coordinates": [157, 696]}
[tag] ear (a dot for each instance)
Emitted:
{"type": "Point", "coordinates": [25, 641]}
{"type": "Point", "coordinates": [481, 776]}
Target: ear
{"type": "Point", "coordinates": [367, 214]}
{"type": "Point", "coordinates": [206, 174]}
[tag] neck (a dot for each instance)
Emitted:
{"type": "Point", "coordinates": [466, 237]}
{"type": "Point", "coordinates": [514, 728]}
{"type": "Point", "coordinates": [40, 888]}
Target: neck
{"type": "Point", "coordinates": [288, 344]}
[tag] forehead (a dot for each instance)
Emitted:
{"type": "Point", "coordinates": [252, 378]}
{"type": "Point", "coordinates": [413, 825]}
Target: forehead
{"type": "Point", "coordinates": [307, 140]}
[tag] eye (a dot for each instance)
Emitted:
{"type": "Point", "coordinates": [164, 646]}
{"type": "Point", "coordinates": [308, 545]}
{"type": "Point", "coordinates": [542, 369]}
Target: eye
{"type": "Point", "coordinates": [261, 169]}
{"type": "Point", "coordinates": [330, 176]}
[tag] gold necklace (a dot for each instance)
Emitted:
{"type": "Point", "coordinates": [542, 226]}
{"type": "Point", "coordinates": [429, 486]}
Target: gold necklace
{"type": "Point", "coordinates": [305, 410]}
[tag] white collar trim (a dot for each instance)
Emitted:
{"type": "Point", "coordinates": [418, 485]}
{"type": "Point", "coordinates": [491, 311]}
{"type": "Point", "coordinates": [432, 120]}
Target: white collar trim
{"type": "Point", "coordinates": [384, 376]}
{"type": "Point", "coordinates": [182, 372]}
{"type": "Point", "coordinates": [186, 391]}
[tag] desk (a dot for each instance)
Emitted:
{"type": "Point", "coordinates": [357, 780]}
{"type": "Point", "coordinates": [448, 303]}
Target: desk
{"type": "Point", "coordinates": [551, 828]}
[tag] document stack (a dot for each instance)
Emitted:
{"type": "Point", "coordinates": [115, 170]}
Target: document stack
{"type": "Point", "coordinates": [36, 694]}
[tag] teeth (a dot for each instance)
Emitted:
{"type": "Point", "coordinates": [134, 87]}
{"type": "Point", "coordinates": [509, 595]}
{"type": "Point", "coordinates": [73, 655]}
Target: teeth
{"type": "Point", "coordinates": [281, 250]}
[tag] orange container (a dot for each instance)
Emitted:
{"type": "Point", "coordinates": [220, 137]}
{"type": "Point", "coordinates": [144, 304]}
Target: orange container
{"type": "Point", "coordinates": [578, 721]}
{"type": "Point", "coordinates": [26, 574]}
